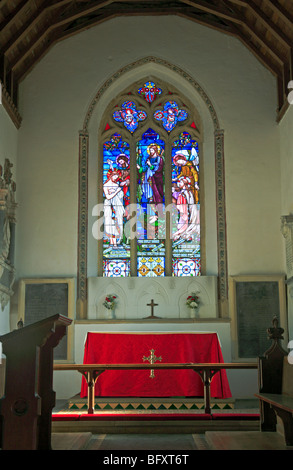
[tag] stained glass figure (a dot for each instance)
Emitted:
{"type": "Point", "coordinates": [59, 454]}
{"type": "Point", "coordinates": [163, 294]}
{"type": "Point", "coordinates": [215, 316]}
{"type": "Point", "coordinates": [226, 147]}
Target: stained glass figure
{"type": "Point", "coordinates": [116, 181]}
{"type": "Point", "coordinates": [129, 115]}
{"type": "Point", "coordinates": [185, 195]}
{"type": "Point", "coordinates": [149, 91]}
{"type": "Point", "coordinates": [150, 200]}
{"type": "Point", "coordinates": [170, 115]}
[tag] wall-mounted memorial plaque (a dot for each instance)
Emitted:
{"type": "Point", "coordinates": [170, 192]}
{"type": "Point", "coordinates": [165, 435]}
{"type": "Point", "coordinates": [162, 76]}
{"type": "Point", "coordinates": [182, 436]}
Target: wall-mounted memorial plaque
{"type": "Point", "coordinates": [42, 298]}
{"type": "Point", "coordinates": [254, 302]}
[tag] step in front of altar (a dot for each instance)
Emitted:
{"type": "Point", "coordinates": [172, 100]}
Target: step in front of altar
{"type": "Point", "coordinates": [141, 405]}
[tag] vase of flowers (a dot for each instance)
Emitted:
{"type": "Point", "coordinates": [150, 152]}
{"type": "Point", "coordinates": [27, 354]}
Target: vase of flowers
{"type": "Point", "coordinates": [110, 304]}
{"type": "Point", "coordinates": [192, 302]}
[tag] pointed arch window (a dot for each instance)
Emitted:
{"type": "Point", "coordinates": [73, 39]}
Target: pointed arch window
{"type": "Point", "coordinates": [149, 184]}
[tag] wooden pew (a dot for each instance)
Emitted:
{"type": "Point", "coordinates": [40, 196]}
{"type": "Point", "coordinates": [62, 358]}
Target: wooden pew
{"type": "Point", "coordinates": [28, 400]}
{"type": "Point", "coordinates": [276, 386]}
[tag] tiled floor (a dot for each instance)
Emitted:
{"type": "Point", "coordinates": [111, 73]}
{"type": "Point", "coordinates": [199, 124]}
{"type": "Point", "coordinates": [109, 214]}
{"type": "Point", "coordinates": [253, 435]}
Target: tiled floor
{"type": "Point", "coordinates": [208, 441]}
{"type": "Point", "coordinates": [129, 442]}
{"type": "Point", "coordinates": [178, 443]}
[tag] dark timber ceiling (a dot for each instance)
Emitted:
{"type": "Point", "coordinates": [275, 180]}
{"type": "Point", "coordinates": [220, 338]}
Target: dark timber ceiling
{"type": "Point", "coordinates": [28, 28]}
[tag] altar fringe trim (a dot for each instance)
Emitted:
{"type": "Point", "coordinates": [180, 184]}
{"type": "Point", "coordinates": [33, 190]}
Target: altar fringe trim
{"type": "Point", "coordinates": [150, 406]}
{"type": "Point", "coordinates": [114, 416]}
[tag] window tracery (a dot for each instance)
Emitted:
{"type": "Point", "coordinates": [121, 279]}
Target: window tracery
{"type": "Point", "coordinates": [150, 176]}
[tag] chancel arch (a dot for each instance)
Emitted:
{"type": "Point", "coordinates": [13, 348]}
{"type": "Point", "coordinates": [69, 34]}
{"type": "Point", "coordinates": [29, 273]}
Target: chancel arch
{"type": "Point", "coordinates": [204, 127]}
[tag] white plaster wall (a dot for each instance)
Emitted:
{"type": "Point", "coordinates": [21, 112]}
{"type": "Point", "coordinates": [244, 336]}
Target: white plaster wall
{"type": "Point", "coordinates": [286, 158]}
{"type": "Point", "coordinates": [55, 97]}
{"type": "Point", "coordinates": [134, 295]}
{"type": "Point", "coordinates": [8, 149]}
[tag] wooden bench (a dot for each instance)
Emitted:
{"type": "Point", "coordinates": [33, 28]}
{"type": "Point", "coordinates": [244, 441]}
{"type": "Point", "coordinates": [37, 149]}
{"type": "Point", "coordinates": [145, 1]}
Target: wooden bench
{"type": "Point", "coordinates": [276, 387]}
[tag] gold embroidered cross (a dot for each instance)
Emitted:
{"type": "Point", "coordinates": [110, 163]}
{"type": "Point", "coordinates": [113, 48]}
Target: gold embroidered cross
{"type": "Point", "coordinates": [152, 359]}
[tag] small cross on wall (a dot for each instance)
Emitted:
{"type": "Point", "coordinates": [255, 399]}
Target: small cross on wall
{"type": "Point", "coordinates": [152, 305]}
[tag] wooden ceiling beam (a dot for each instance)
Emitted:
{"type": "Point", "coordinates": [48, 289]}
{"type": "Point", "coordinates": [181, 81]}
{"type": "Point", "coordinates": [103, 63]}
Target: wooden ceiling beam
{"type": "Point", "coordinates": [58, 20]}
{"type": "Point", "coordinates": [276, 71]}
{"type": "Point", "coordinates": [223, 28]}
{"type": "Point", "coordinates": [71, 15]}
{"type": "Point", "coordinates": [267, 22]}
{"type": "Point", "coordinates": [55, 20]}
{"type": "Point", "coordinates": [213, 9]}
{"type": "Point", "coordinates": [238, 18]}
{"type": "Point", "coordinates": [13, 14]}
{"type": "Point", "coordinates": [29, 65]}
{"type": "Point", "coordinates": [281, 11]}
{"type": "Point", "coordinates": [262, 40]}
{"type": "Point", "coordinates": [31, 22]}
{"type": "Point", "coordinates": [270, 25]}
{"type": "Point", "coordinates": [55, 36]}
{"type": "Point", "coordinates": [61, 32]}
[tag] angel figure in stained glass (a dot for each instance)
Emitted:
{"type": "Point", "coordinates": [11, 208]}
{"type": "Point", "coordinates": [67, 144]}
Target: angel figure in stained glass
{"type": "Point", "coordinates": [188, 222]}
{"type": "Point", "coordinates": [185, 167]}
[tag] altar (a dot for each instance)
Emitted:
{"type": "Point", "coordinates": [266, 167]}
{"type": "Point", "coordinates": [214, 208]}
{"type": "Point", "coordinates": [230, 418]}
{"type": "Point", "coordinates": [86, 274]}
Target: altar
{"type": "Point", "coordinates": [163, 347]}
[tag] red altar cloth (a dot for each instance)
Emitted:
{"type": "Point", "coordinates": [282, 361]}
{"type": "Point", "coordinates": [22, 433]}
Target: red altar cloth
{"type": "Point", "coordinates": [130, 348]}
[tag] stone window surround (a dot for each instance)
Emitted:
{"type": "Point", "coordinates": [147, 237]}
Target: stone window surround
{"type": "Point", "coordinates": [82, 272]}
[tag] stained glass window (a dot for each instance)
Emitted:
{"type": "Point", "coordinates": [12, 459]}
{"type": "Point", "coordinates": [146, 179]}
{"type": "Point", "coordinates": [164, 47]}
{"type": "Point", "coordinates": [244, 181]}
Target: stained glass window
{"type": "Point", "coordinates": [151, 160]}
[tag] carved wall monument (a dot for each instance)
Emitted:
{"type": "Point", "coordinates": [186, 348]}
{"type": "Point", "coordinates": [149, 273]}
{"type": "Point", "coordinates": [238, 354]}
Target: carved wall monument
{"type": "Point", "coordinates": [7, 232]}
{"type": "Point", "coordinates": [287, 231]}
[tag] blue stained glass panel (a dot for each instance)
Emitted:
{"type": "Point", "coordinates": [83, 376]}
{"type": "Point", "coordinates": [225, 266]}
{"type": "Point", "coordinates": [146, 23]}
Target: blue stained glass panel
{"type": "Point", "coordinates": [129, 115]}
{"type": "Point", "coordinates": [170, 115]}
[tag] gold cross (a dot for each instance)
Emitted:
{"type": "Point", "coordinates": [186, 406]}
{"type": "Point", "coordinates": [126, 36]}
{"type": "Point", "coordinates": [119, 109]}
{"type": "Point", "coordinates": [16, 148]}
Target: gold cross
{"type": "Point", "coordinates": [152, 359]}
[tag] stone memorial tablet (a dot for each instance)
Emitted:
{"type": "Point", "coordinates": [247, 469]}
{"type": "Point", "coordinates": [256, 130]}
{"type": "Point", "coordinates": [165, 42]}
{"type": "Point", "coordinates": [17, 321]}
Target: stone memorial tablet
{"type": "Point", "coordinates": [43, 298]}
{"type": "Point", "coordinates": [255, 301]}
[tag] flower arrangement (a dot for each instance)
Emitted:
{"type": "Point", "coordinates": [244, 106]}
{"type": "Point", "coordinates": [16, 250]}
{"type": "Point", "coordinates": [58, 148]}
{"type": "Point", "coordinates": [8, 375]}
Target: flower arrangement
{"type": "Point", "coordinates": [192, 300]}
{"type": "Point", "coordinates": [110, 302]}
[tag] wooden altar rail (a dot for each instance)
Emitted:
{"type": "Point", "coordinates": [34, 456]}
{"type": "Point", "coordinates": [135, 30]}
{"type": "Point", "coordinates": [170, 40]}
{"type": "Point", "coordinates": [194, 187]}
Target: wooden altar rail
{"type": "Point", "coordinates": [206, 371]}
